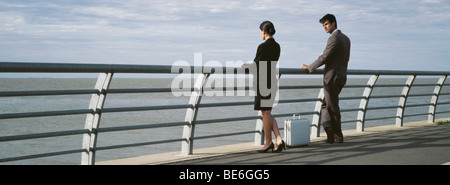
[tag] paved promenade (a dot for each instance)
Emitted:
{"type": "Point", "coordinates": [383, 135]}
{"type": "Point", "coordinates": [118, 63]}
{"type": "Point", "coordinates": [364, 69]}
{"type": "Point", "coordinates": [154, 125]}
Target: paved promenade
{"type": "Point", "coordinates": [417, 143]}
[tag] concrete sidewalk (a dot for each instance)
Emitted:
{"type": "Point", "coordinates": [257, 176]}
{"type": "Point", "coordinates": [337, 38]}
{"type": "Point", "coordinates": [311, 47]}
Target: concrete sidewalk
{"type": "Point", "coordinates": [415, 143]}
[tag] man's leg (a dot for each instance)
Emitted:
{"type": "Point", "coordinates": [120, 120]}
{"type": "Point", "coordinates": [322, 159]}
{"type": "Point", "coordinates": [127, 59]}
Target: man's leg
{"type": "Point", "coordinates": [334, 110]}
{"type": "Point", "coordinates": [326, 117]}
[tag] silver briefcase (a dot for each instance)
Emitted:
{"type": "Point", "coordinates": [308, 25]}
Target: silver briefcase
{"type": "Point", "coordinates": [297, 132]}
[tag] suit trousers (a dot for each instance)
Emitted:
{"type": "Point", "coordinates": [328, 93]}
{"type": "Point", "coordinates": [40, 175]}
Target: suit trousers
{"type": "Point", "coordinates": [331, 113]}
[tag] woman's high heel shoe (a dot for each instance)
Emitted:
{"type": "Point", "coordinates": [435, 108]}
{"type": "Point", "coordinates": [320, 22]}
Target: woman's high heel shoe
{"type": "Point", "coordinates": [271, 147]}
{"type": "Point", "coordinates": [280, 147]}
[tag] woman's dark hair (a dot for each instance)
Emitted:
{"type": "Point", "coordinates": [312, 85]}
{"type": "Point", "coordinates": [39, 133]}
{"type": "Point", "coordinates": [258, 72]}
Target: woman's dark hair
{"type": "Point", "coordinates": [268, 27]}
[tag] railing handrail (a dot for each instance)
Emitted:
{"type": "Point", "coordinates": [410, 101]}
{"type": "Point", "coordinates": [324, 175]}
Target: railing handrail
{"type": "Point", "coordinates": [106, 71]}
{"type": "Point", "coordinates": [30, 67]}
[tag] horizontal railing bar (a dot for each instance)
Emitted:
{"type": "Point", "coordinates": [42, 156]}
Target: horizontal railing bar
{"type": "Point", "coordinates": [43, 135]}
{"type": "Point", "coordinates": [420, 114]}
{"type": "Point", "coordinates": [225, 135]}
{"type": "Point", "coordinates": [401, 85]}
{"type": "Point", "coordinates": [145, 108]}
{"type": "Point", "coordinates": [349, 121]}
{"type": "Point", "coordinates": [226, 104]}
{"type": "Point", "coordinates": [296, 113]}
{"type": "Point", "coordinates": [356, 86]}
{"type": "Point", "coordinates": [227, 119]}
{"type": "Point", "coordinates": [47, 93]}
{"type": "Point", "coordinates": [424, 94]}
{"type": "Point", "coordinates": [293, 101]}
{"type": "Point", "coordinates": [158, 90]}
{"type": "Point", "coordinates": [396, 72]}
{"type": "Point", "coordinates": [46, 113]}
{"type": "Point", "coordinates": [138, 144]}
{"type": "Point", "coordinates": [294, 71]}
{"type": "Point", "coordinates": [417, 105]}
{"type": "Point", "coordinates": [389, 85]}
{"type": "Point", "coordinates": [351, 86]}
{"type": "Point", "coordinates": [252, 102]}
{"type": "Point", "coordinates": [307, 113]}
{"type": "Point", "coordinates": [82, 68]}
{"type": "Point", "coordinates": [379, 118]}
{"type": "Point", "coordinates": [143, 90]}
{"type": "Point", "coordinates": [41, 155]}
{"type": "Point", "coordinates": [300, 87]}
{"type": "Point", "coordinates": [31, 67]}
{"type": "Point", "coordinates": [299, 100]}
{"type": "Point", "coordinates": [385, 96]}
{"type": "Point", "coordinates": [140, 90]}
{"type": "Point", "coordinates": [146, 126]}
{"type": "Point", "coordinates": [350, 110]}
{"type": "Point", "coordinates": [228, 89]}
{"type": "Point", "coordinates": [149, 90]}
{"type": "Point", "coordinates": [398, 96]}
{"type": "Point", "coordinates": [352, 98]}
{"type": "Point", "coordinates": [383, 107]}
{"type": "Point", "coordinates": [442, 112]}
{"type": "Point", "coordinates": [442, 103]}
{"type": "Point", "coordinates": [422, 85]}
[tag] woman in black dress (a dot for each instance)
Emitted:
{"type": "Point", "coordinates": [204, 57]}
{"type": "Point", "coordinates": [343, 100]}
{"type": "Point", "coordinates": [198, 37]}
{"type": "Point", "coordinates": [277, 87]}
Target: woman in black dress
{"type": "Point", "coordinates": [266, 58]}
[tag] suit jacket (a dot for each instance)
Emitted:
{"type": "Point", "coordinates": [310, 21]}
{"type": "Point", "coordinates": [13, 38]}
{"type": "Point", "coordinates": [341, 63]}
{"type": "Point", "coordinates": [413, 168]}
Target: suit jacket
{"type": "Point", "coordinates": [267, 51]}
{"type": "Point", "coordinates": [335, 57]}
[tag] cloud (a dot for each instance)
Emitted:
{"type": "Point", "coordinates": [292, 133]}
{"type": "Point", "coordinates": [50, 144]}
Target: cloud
{"type": "Point", "coordinates": [431, 1]}
{"type": "Point", "coordinates": [164, 31]}
{"type": "Point", "coordinates": [10, 21]}
{"type": "Point", "coordinates": [115, 13]}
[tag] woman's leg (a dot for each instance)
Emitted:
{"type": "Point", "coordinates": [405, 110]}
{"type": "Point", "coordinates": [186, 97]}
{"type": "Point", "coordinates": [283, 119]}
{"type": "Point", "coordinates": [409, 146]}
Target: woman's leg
{"type": "Point", "coordinates": [267, 124]}
{"type": "Point", "coordinates": [276, 132]}
{"type": "Point", "coordinates": [270, 124]}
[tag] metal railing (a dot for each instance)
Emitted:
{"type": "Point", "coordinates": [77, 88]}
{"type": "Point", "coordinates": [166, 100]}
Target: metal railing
{"type": "Point", "coordinates": [95, 109]}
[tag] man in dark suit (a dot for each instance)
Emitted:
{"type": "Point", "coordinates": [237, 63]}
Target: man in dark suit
{"type": "Point", "coordinates": [335, 57]}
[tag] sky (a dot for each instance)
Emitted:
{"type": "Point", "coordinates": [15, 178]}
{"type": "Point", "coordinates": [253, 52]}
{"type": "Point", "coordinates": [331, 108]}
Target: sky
{"type": "Point", "coordinates": [385, 34]}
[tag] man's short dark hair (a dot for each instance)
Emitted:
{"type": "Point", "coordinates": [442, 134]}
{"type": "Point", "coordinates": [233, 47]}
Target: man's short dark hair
{"type": "Point", "coordinates": [330, 18]}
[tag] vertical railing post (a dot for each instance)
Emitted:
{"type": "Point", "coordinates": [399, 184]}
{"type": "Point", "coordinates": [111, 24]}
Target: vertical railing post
{"type": "Point", "coordinates": [434, 99]}
{"type": "Point", "coordinates": [187, 145]}
{"type": "Point", "coordinates": [93, 120]}
{"type": "Point", "coordinates": [364, 103]}
{"type": "Point", "coordinates": [315, 129]}
{"type": "Point", "coordinates": [259, 135]}
{"type": "Point", "coordinates": [402, 101]}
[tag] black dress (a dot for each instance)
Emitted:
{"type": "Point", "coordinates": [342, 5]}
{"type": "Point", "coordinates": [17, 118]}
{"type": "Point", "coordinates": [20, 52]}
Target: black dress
{"type": "Point", "coordinates": [267, 51]}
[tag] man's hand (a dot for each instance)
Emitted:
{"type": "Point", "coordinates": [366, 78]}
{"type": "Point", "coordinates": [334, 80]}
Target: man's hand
{"type": "Point", "coordinates": [304, 66]}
